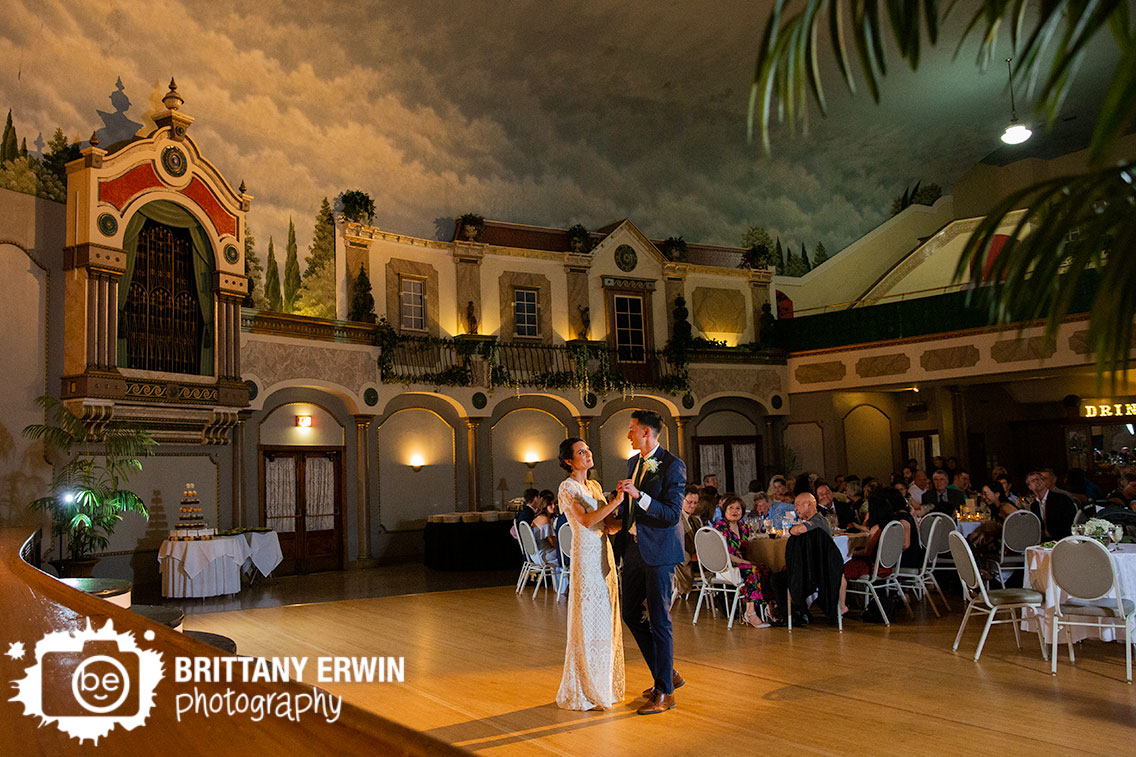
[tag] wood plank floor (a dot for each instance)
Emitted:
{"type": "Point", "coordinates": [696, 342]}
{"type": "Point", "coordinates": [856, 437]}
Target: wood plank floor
{"type": "Point", "coordinates": [483, 666]}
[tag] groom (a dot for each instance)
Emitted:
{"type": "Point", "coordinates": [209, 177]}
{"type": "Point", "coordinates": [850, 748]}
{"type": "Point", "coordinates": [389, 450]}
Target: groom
{"type": "Point", "coordinates": [653, 547]}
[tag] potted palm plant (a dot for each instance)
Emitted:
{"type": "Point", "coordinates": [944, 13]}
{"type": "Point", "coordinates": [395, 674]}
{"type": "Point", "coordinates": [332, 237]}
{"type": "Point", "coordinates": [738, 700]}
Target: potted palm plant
{"type": "Point", "coordinates": [87, 498]}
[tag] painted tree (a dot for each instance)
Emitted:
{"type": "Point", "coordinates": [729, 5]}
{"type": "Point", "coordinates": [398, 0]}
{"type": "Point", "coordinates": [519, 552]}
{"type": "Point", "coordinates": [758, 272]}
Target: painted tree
{"type": "Point", "coordinates": [805, 258]}
{"type": "Point", "coordinates": [362, 306]}
{"type": "Point", "coordinates": [59, 154]}
{"type": "Point", "coordinates": [272, 298]}
{"type": "Point", "coordinates": [318, 289]}
{"type": "Point", "coordinates": [794, 266]}
{"type": "Point", "coordinates": [756, 236]}
{"type": "Point", "coordinates": [255, 272]}
{"type": "Point", "coordinates": [291, 272]}
{"type": "Point", "coordinates": [9, 145]}
{"type": "Point", "coordinates": [778, 257]}
{"type": "Point", "coordinates": [1077, 226]}
{"type": "Point", "coordinates": [820, 254]}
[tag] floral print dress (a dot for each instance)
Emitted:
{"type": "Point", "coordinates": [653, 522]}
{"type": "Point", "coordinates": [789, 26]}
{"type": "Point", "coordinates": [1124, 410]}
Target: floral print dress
{"type": "Point", "coordinates": [755, 576]}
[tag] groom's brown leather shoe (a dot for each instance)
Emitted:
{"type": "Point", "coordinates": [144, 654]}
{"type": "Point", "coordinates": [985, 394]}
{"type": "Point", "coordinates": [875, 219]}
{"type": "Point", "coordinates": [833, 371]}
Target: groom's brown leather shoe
{"type": "Point", "coordinates": [658, 703]}
{"type": "Point", "coordinates": [676, 682]}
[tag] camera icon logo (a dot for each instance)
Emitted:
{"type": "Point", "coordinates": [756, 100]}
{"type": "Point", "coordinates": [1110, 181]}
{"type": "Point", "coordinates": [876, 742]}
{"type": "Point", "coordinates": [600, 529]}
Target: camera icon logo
{"type": "Point", "coordinates": [91, 681]}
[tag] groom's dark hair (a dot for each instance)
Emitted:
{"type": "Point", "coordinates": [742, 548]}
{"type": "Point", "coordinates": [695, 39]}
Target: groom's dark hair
{"type": "Point", "coordinates": [650, 419]}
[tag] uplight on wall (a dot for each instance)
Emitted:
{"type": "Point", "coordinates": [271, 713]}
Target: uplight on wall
{"type": "Point", "coordinates": [531, 459]}
{"type": "Point", "coordinates": [304, 421]}
{"type": "Point", "coordinates": [416, 462]}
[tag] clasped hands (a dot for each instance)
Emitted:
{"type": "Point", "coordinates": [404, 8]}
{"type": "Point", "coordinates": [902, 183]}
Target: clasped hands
{"type": "Point", "coordinates": [627, 486]}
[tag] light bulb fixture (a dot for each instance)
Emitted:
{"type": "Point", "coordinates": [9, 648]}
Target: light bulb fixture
{"type": "Point", "coordinates": [1131, 432]}
{"type": "Point", "coordinates": [1015, 133]}
{"type": "Point", "coordinates": [531, 459]}
{"type": "Point", "coordinates": [416, 462]}
{"type": "Point", "coordinates": [304, 421]}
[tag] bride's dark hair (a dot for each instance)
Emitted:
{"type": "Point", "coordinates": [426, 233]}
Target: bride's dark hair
{"type": "Point", "coordinates": [567, 450]}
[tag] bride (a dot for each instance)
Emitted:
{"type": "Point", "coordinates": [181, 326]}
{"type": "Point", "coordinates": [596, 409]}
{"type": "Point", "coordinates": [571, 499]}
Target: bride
{"type": "Point", "coordinates": [593, 659]}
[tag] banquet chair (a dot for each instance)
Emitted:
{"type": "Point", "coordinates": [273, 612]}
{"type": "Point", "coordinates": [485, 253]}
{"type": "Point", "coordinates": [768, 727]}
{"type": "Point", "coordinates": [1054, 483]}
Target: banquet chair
{"type": "Point", "coordinates": [564, 543]}
{"type": "Point", "coordinates": [717, 573]}
{"type": "Point", "coordinates": [990, 601]}
{"type": "Point", "coordinates": [1021, 530]}
{"type": "Point", "coordinates": [1084, 570]}
{"type": "Point", "coordinates": [535, 566]}
{"type": "Point", "coordinates": [888, 552]}
{"type": "Point", "coordinates": [921, 579]}
{"type": "Point", "coordinates": [942, 561]}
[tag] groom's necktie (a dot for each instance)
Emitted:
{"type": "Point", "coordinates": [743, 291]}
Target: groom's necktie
{"type": "Point", "coordinates": [633, 502]}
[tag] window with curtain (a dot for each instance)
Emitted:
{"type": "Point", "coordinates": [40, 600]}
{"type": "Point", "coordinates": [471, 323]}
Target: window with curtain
{"type": "Point", "coordinates": [165, 298]}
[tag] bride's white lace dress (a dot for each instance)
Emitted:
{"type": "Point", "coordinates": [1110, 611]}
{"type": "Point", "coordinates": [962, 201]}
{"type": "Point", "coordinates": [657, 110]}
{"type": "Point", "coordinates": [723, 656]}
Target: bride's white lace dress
{"type": "Point", "coordinates": [593, 658]}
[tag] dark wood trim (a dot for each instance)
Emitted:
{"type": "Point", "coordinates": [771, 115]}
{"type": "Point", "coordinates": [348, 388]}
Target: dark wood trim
{"type": "Point", "coordinates": [739, 487]}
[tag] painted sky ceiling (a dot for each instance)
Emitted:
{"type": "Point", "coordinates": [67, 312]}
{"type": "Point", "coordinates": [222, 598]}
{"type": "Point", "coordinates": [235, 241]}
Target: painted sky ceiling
{"type": "Point", "coordinates": [543, 111]}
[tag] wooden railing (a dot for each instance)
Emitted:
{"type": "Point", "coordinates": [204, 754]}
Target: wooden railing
{"type": "Point", "coordinates": [35, 603]}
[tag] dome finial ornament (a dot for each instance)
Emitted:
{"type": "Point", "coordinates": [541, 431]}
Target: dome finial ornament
{"type": "Point", "coordinates": [173, 100]}
{"type": "Point", "coordinates": [242, 189]}
{"type": "Point", "coordinates": [94, 140]}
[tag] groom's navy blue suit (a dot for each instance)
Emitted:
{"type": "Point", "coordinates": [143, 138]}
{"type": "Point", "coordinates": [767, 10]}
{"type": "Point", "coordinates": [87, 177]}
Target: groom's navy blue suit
{"type": "Point", "coordinates": [649, 561]}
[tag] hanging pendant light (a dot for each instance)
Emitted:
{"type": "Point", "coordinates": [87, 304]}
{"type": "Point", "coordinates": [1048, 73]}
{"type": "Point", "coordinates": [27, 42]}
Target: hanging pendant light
{"type": "Point", "coordinates": [1015, 133]}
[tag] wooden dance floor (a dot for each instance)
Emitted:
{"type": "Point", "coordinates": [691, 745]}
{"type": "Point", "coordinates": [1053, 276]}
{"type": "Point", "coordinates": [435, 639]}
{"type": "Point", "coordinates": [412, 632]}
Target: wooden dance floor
{"type": "Point", "coordinates": [483, 667]}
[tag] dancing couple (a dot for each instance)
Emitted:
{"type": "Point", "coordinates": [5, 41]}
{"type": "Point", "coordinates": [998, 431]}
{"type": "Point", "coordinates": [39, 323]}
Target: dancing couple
{"type": "Point", "coordinates": [645, 510]}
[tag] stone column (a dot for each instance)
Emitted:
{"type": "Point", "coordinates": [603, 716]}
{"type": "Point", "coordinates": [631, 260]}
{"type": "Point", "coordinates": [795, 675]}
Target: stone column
{"type": "Point", "coordinates": [681, 445]}
{"type": "Point", "coordinates": [585, 426]}
{"type": "Point", "coordinates": [958, 417]}
{"type": "Point", "coordinates": [363, 477]}
{"type": "Point", "coordinates": [472, 425]}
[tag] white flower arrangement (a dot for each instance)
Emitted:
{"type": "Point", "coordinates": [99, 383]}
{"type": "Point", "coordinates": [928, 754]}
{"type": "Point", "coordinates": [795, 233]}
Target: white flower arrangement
{"type": "Point", "coordinates": [1099, 528]}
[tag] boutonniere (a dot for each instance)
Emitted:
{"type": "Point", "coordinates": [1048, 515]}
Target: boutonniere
{"type": "Point", "coordinates": [651, 465]}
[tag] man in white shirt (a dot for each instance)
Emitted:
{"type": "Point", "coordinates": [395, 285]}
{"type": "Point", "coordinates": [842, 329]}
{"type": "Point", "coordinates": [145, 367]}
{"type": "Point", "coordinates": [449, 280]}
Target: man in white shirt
{"type": "Point", "coordinates": [920, 485]}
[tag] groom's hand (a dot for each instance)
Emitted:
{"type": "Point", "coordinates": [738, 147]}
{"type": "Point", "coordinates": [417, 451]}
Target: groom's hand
{"type": "Point", "coordinates": [627, 486]}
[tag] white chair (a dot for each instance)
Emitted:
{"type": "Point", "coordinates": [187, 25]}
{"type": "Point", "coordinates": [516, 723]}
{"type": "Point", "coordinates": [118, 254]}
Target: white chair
{"type": "Point", "coordinates": [1021, 530]}
{"type": "Point", "coordinates": [943, 562]}
{"type": "Point", "coordinates": [1084, 570]}
{"type": "Point", "coordinates": [535, 566]}
{"type": "Point", "coordinates": [718, 574]}
{"type": "Point", "coordinates": [921, 579]}
{"type": "Point", "coordinates": [989, 602]}
{"type": "Point", "coordinates": [888, 551]}
{"type": "Point", "coordinates": [564, 543]}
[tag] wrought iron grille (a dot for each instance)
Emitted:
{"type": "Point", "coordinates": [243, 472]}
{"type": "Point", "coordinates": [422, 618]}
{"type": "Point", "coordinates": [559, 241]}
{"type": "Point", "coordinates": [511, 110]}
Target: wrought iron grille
{"type": "Point", "coordinates": [162, 322]}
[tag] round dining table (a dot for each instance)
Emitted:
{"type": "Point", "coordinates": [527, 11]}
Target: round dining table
{"type": "Point", "coordinates": [770, 550]}
{"type": "Point", "coordinates": [1039, 575]}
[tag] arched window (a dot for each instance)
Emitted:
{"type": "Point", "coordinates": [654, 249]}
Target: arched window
{"type": "Point", "coordinates": [166, 298]}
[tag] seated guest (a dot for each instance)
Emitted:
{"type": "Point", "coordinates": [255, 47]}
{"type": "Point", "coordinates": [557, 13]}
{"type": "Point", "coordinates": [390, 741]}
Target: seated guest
{"type": "Point", "coordinates": [1124, 495]}
{"type": "Point", "coordinates": [901, 511]}
{"type": "Point", "coordinates": [864, 557]}
{"type": "Point", "coordinates": [1055, 509]}
{"type": "Point", "coordinates": [1083, 489]}
{"type": "Point", "coordinates": [759, 512]}
{"type": "Point", "coordinates": [778, 497]}
{"type": "Point", "coordinates": [827, 504]}
{"type": "Point", "coordinates": [803, 483]}
{"type": "Point", "coordinates": [986, 540]}
{"type": "Point", "coordinates": [961, 481]}
{"type": "Point", "coordinates": [918, 486]}
{"type": "Point", "coordinates": [901, 487]}
{"type": "Point", "coordinates": [849, 514]}
{"type": "Point", "coordinates": [754, 489]}
{"type": "Point", "coordinates": [1007, 486]}
{"type": "Point", "coordinates": [711, 479]}
{"type": "Point", "coordinates": [708, 509]}
{"type": "Point", "coordinates": [941, 498]}
{"type": "Point", "coordinates": [808, 517]}
{"type": "Point", "coordinates": [529, 509]}
{"type": "Point", "coordinates": [755, 576]}
{"type": "Point", "coordinates": [684, 571]}
{"type": "Point", "coordinates": [542, 527]}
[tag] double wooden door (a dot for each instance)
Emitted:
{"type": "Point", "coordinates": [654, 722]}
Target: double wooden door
{"type": "Point", "coordinates": [301, 495]}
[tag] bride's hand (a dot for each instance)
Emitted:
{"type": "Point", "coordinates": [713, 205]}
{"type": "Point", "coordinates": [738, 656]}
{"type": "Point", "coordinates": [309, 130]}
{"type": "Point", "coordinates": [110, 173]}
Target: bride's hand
{"type": "Point", "coordinates": [617, 498]}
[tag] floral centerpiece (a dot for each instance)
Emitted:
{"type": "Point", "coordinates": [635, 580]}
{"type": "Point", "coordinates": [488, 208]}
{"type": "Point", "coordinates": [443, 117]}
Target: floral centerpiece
{"type": "Point", "coordinates": [1099, 528]}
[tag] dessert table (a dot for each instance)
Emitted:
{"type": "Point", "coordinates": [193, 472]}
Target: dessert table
{"type": "Point", "coordinates": [1039, 575]}
{"type": "Point", "coordinates": [205, 568]}
{"type": "Point", "coordinates": [771, 551]}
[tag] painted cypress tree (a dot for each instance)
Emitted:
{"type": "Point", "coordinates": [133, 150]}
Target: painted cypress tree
{"type": "Point", "coordinates": [778, 257]}
{"type": "Point", "coordinates": [805, 257]}
{"type": "Point", "coordinates": [272, 298]}
{"type": "Point", "coordinates": [318, 289]}
{"type": "Point", "coordinates": [819, 254]}
{"type": "Point", "coordinates": [255, 272]}
{"type": "Point", "coordinates": [9, 146]}
{"type": "Point", "coordinates": [362, 301]}
{"type": "Point", "coordinates": [291, 272]}
{"type": "Point", "coordinates": [24, 147]}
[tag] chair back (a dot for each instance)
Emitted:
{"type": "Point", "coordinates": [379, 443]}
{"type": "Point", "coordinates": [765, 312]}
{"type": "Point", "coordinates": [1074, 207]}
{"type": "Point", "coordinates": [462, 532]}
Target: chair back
{"type": "Point", "coordinates": [528, 542]}
{"type": "Point", "coordinates": [1083, 568]}
{"type": "Point", "coordinates": [925, 530]}
{"type": "Point", "coordinates": [711, 548]}
{"type": "Point", "coordinates": [890, 547]}
{"type": "Point", "coordinates": [564, 541]}
{"type": "Point", "coordinates": [1021, 529]}
{"type": "Point", "coordinates": [936, 541]}
{"type": "Point", "coordinates": [967, 567]}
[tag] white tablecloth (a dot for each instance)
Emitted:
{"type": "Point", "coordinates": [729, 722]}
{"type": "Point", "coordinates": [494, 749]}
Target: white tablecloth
{"type": "Point", "coordinates": [264, 552]}
{"type": "Point", "coordinates": [968, 527]}
{"type": "Point", "coordinates": [1040, 576]}
{"type": "Point", "coordinates": [203, 568]}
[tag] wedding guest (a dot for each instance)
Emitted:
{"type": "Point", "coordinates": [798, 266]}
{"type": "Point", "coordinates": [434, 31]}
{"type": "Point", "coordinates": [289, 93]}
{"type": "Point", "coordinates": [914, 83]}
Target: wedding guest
{"type": "Point", "coordinates": [711, 479]}
{"type": "Point", "coordinates": [912, 556]}
{"type": "Point", "coordinates": [942, 498]}
{"type": "Point", "coordinates": [754, 576]}
{"type": "Point", "coordinates": [753, 490]}
{"type": "Point", "coordinates": [759, 512]}
{"type": "Point", "coordinates": [1056, 509]}
{"type": "Point", "coordinates": [778, 497]}
{"type": "Point", "coordinates": [901, 487]}
{"type": "Point", "coordinates": [808, 516]}
{"type": "Point", "coordinates": [826, 503]}
{"type": "Point", "coordinates": [708, 505]}
{"type": "Point", "coordinates": [542, 527]}
{"type": "Point", "coordinates": [918, 486]}
{"type": "Point", "coordinates": [1083, 488]}
{"type": "Point", "coordinates": [803, 484]}
{"type": "Point", "coordinates": [986, 539]}
{"type": "Point", "coordinates": [864, 557]}
{"type": "Point", "coordinates": [529, 509]}
{"type": "Point", "coordinates": [684, 571]}
{"type": "Point", "coordinates": [1007, 486]}
{"type": "Point", "coordinates": [855, 500]}
{"type": "Point", "coordinates": [961, 481]}
{"type": "Point", "coordinates": [1124, 495]}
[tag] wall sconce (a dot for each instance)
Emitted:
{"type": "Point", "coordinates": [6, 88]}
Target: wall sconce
{"type": "Point", "coordinates": [531, 459]}
{"type": "Point", "coordinates": [304, 421]}
{"type": "Point", "coordinates": [416, 462]}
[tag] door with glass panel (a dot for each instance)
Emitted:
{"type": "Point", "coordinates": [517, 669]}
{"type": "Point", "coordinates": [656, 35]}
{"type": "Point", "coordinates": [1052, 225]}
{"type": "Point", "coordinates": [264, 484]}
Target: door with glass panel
{"type": "Point", "coordinates": [301, 500]}
{"type": "Point", "coordinates": [629, 334]}
{"type": "Point", "coordinates": [735, 460]}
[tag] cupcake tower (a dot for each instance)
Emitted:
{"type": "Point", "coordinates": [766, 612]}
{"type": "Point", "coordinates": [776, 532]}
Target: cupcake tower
{"type": "Point", "coordinates": [191, 523]}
